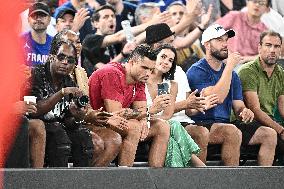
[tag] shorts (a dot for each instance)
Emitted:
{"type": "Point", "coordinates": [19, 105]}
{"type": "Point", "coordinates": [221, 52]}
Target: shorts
{"type": "Point", "coordinates": [247, 129]}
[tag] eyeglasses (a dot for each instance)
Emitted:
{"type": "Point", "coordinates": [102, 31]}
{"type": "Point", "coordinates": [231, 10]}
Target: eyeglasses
{"type": "Point", "coordinates": [70, 59]}
{"type": "Point", "coordinates": [260, 2]}
{"type": "Point", "coordinates": [38, 15]}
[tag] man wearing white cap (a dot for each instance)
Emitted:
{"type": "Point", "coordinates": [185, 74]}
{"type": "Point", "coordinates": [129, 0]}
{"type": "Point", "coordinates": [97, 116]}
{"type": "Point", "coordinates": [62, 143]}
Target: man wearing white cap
{"type": "Point", "coordinates": [211, 75]}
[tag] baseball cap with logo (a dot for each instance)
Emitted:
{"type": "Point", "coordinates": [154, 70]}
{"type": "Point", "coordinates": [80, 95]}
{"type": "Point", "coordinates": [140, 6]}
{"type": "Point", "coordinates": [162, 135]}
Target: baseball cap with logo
{"type": "Point", "coordinates": [39, 7]}
{"type": "Point", "coordinates": [214, 31]}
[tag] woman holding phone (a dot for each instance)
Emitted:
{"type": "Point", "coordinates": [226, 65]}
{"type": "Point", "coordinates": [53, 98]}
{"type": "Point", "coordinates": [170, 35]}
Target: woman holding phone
{"type": "Point", "coordinates": [161, 92]}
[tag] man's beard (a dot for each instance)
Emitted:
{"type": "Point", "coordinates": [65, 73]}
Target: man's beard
{"type": "Point", "coordinates": [270, 62]}
{"type": "Point", "coordinates": [39, 28]}
{"type": "Point", "coordinates": [217, 54]}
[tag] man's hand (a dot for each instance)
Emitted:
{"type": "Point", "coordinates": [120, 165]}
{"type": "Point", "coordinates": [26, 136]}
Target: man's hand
{"type": "Point", "coordinates": [129, 47]}
{"type": "Point", "coordinates": [80, 18]}
{"type": "Point", "coordinates": [145, 129]}
{"type": "Point", "coordinates": [211, 101]}
{"type": "Point", "coordinates": [246, 115]}
{"type": "Point", "coordinates": [234, 59]}
{"type": "Point", "coordinates": [23, 107]}
{"type": "Point", "coordinates": [205, 17]}
{"type": "Point", "coordinates": [117, 122]}
{"type": "Point", "coordinates": [194, 102]}
{"type": "Point", "coordinates": [194, 7]}
{"type": "Point", "coordinates": [159, 17]}
{"type": "Point", "coordinates": [160, 103]}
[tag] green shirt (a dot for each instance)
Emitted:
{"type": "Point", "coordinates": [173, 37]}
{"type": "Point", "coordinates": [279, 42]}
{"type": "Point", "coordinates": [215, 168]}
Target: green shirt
{"type": "Point", "coordinates": [254, 78]}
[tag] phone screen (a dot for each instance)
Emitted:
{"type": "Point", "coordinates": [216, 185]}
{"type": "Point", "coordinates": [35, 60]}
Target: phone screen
{"type": "Point", "coordinates": [163, 88]}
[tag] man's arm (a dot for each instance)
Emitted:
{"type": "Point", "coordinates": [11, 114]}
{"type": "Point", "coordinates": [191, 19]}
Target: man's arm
{"type": "Point", "coordinates": [222, 87]}
{"type": "Point", "coordinates": [45, 105]}
{"type": "Point", "coordinates": [190, 38]}
{"type": "Point", "coordinates": [194, 8]}
{"type": "Point", "coordinates": [112, 105]}
{"type": "Point", "coordinates": [119, 37]}
{"type": "Point", "coordinates": [252, 101]}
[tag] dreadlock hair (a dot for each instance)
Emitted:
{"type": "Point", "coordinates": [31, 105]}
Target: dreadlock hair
{"type": "Point", "coordinates": [142, 51]}
{"type": "Point", "coordinates": [171, 73]}
{"type": "Point", "coordinates": [56, 43]}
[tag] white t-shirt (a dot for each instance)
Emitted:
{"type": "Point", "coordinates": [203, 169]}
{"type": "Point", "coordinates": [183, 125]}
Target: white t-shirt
{"type": "Point", "coordinates": [183, 88]}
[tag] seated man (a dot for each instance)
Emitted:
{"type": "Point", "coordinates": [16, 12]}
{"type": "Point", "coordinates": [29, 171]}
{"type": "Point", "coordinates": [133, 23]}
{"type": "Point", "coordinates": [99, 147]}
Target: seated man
{"type": "Point", "coordinates": [211, 76]}
{"type": "Point", "coordinates": [263, 86]}
{"type": "Point", "coordinates": [60, 107]}
{"type": "Point", "coordinates": [118, 87]}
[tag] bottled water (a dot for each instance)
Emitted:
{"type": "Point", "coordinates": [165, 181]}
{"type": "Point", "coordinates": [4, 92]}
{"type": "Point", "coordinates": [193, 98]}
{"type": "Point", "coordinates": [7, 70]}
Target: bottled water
{"type": "Point", "coordinates": [127, 30]}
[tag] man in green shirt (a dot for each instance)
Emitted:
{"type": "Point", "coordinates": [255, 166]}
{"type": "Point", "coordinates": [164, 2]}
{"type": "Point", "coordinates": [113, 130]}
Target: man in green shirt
{"type": "Point", "coordinates": [263, 84]}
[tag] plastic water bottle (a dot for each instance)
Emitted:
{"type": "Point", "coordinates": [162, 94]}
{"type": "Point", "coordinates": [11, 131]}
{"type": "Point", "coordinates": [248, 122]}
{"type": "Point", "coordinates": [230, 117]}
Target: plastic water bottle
{"type": "Point", "coordinates": [127, 30]}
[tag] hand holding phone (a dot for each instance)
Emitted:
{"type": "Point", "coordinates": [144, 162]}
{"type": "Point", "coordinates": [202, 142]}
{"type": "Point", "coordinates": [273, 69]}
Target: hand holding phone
{"type": "Point", "coordinates": [163, 88]}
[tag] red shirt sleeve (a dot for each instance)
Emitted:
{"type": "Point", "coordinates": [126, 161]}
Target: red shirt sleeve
{"type": "Point", "coordinates": [112, 88]}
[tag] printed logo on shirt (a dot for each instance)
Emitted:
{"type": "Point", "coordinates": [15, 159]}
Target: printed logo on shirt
{"type": "Point", "coordinates": [33, 57]}
{"type": "Point", "coordinates": [58, 111]}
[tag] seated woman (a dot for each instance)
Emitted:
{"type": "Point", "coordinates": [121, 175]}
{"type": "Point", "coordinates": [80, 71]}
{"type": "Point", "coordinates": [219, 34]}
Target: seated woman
{"type": "Point", "coordinates": [182, 150]}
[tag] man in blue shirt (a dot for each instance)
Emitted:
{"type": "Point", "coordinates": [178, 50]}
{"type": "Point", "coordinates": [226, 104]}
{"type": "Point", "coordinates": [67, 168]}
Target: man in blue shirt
{"type": "Point", "coordinates": [211, 76]}
{"type": "Point", "coordinates": [36, 43]}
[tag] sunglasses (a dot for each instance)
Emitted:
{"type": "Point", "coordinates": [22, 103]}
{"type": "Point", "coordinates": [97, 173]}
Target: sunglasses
{"type": "Point", "coordinates": [70, 59]}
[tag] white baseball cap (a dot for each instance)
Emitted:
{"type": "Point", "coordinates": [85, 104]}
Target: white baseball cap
{"type": "Point", "coordinates": [214, 31]}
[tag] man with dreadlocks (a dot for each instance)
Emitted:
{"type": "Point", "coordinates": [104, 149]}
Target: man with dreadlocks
{"type": "Point", "coordinates": [58, 106]}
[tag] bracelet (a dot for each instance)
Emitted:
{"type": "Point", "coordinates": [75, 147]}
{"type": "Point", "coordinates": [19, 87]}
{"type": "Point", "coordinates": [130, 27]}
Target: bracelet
{"type": "Point", "coordinates": [62, 92]}
{"type": "Point", "coordinates": [202, 30]}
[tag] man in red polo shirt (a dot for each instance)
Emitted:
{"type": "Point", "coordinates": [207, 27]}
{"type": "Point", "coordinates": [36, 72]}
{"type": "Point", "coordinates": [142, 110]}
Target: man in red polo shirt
{"type": "Point", "coordinates": [120, 88]}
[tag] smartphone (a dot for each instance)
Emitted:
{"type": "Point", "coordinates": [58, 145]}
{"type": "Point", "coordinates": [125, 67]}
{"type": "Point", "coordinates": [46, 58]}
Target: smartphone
{"type": "Point", "coordinates": [163, 88]}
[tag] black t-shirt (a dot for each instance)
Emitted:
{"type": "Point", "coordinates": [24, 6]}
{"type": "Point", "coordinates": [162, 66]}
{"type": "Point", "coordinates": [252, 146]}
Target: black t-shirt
{"type": "Point", "coordinates": [93, 53]}
{"type": "Point", "coordinates": [43, 88]}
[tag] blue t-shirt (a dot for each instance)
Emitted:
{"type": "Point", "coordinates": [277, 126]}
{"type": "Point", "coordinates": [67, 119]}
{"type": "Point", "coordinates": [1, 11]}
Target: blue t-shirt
{"type": "Point", "coordinates": [201, 75]}
{"type": "Point", "coordinates": [34, 52]}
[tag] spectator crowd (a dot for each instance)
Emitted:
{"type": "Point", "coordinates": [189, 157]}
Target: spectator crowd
{"type": "Point", "coordinates": [173, 78]}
